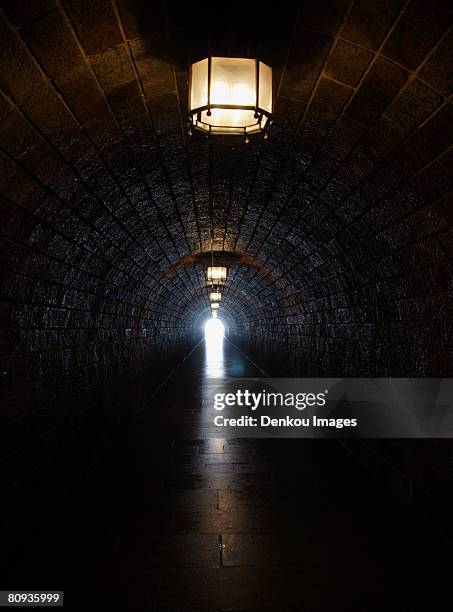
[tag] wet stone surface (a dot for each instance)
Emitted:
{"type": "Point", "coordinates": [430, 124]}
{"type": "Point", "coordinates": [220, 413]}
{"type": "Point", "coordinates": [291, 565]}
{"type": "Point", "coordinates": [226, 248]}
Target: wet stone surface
{"type": "Point", "coordinates": [259, 524]}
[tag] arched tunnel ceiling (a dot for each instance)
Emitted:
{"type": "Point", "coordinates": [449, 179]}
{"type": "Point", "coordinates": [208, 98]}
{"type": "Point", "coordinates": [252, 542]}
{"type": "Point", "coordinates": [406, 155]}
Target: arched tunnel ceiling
{"type": "Point", "coordinates": [106, 199]}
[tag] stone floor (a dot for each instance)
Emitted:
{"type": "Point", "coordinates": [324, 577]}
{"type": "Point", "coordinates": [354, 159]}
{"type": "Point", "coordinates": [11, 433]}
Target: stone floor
{"type": "Point", "coordinates": [176, 520]}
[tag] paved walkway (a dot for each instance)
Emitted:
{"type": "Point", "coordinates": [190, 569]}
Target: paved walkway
{"type": "Point", "coordinates": [174, 520]}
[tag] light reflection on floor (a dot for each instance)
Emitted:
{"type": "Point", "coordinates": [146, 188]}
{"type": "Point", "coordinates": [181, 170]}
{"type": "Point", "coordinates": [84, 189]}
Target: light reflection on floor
{"type": "Point", "coordinates": [215, 362]}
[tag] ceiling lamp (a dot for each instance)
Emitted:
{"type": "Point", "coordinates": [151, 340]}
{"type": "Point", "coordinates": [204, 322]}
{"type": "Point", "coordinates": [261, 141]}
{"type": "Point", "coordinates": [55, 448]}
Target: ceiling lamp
{"type": "Point", "coordinates": [214, 307]}
{"type": "Point", "coordinates": [214, 314]}
{"type": "Point", "coordinates": [215, 296]}
{"type": "Point", "coordinates": [216, 274]}
{"type": "Point", "coordinates": [230, 96]}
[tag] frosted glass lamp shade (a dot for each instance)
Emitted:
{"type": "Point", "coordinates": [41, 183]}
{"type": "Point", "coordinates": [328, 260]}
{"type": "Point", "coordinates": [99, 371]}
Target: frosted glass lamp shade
{"type": "Point", "coordinates": [216, 274]}
{"type": "Point", "coordinates": [230, 96]}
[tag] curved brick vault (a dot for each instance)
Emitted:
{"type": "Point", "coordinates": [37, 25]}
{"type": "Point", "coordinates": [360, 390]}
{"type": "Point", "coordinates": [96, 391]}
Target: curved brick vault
{"type": "Point", "coordinates": [339, 227]}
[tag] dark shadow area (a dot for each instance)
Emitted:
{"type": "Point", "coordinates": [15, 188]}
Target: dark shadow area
{"type": "Point", "coordinates": [175, 519]}
{"type": "Point", "coordinates": [243, 29]}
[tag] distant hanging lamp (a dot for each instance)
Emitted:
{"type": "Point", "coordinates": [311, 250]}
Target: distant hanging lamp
{"type": "Point", "coordinates": [230, 96]}
{"type": "Point", "coordinates": [215, 296]}
{"type": "Point", "coordinates": [214, 306]}
{"type": "Point", "coordinates": [216, 275]}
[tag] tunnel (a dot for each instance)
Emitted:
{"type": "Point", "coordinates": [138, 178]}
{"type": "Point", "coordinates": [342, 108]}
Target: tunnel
{"type": "Point", "coordinates": [337, 234]}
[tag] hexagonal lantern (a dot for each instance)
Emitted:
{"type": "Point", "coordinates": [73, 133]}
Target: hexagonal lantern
{"type": "Point", "coordinates": [230, 96]}
{"type": "Point", "coordinates": [216, 275]}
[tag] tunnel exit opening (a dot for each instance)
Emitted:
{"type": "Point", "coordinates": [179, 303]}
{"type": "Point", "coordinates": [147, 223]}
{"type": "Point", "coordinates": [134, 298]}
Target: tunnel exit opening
{"type": "Point", "coordinates": [214, 333]}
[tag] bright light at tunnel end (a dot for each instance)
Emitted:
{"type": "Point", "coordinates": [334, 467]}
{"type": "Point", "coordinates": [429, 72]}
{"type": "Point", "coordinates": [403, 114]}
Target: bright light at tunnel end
{"type": "Point", "coordinates": [214, 330]}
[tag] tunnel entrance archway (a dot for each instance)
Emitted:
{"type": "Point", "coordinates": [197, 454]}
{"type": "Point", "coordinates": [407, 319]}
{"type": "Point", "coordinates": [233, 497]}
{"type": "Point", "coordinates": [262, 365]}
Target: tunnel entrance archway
{"type": "Point", "coordinates": [214, 331]}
